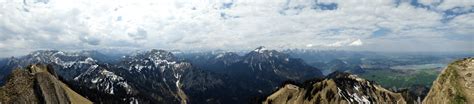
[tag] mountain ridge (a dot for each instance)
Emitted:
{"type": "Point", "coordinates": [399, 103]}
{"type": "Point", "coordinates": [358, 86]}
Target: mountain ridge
{"type": "Point", "coordinates": [159, 76]}
{"type": "Point", "coordinates": [39, 84]}
{"type": "Point", "coordinates": [454, 85]}
{"type": "Point", "coordinates": [338, 87]}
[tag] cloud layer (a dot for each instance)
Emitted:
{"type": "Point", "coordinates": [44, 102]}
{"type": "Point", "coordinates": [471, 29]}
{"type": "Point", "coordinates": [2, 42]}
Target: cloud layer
{"type": "Point", "coordinates": [375, 25]}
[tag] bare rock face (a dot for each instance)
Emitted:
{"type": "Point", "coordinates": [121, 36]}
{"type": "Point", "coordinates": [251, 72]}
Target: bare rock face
{"type": "Point", "coordinates": [19, 88]}
{"type": "Point", "coordinates": [454, 85]}
{"type": "Point", "coordinates": [38, 84]}
{"type": "Point", "coordinates": [337, 88]}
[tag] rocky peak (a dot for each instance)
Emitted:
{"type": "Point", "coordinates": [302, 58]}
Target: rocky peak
{"type": "Point", "coordinates": [154, 54]}
{"type": "Point", "coordinates": [37, 68]}
{"type": "Point", "coordinates": [226, 55]}
{"type": "Point", "coordinates": [261, 54]}
{"type": "Point", "coordinates": [226, 58]}
{"type": "Point", "coordinates": [260, 49]}
{"type": "Point", "coordinates": [63, 59]}
{"type": "Point", "coordinates": [59, 59]}
{"type": "Point", "coordinates": [339, 87]}
{"type": "Point", "coordinates": [344, 75]}
{"type": "Point", "coordinates": [154, 59]}
{"type": "Point", "coordinates": [43, 55]}
{"type": "Point", "coordinates": [338, 74]}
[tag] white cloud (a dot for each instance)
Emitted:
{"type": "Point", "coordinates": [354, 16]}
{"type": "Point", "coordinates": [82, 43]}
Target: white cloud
{"type": "Point", "coordinates": [345, 43]}
{"type": "Point", "coordinates": [241, 24]}
{"type": "Point", "coordinates": [447, 4]}
{"type": "Point", "coordinates": [358, 42]}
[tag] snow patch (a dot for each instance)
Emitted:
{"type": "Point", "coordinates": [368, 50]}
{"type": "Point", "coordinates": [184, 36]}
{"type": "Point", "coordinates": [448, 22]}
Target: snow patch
{"type": "Point", "coordinates": [95, 80]}
{"type": "Point", "coordinates": [219, 56]}
{"type": "Point", "coordinates": [356, 88]}
{"type": "Point", "coordinates": [260, 49]}
{"type": "Point", "coordinates": [110, 75]}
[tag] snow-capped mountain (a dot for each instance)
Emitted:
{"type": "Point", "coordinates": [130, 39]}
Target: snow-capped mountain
{"type": "Point", "coordinates": [217, 62]}
{"type": "Point", "coordinates": [268, 68]}
{"type": "Point", "coordinates": [98, 77]}
{"type": "Point", "coordinates": [66, 64]}
{"type": "Point", "coordinates": [167, 79]}
{"type": "Point", "coordinates": [157, 72]}
{"type": "Point", "coordinates": [76, 68]}
{"type": "Point", "coordinates": [261, 68]}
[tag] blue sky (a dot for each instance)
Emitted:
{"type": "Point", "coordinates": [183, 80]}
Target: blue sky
{"type": "Point", "coordinates": [373, 25]}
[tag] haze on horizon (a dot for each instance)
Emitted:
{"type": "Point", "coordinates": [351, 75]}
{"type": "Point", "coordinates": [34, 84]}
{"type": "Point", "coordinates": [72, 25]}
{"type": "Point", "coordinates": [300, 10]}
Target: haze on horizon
{"type": "Point", "coordinates": [368, 25]}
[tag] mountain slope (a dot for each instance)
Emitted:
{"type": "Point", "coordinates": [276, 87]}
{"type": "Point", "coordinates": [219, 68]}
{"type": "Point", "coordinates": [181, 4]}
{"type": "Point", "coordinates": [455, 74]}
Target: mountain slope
{"type": "Point", "coordinates": [257, 72]}
{"type": "Point", "coordinates": [168, 79]}
{"type": "Point", "coordinates": [265, 69]}
{"type": "Point", "coordinates": [336, 88]}
{"type": "Point", "coordinates": [38, 84]}
{"type": "Point", "coordinates": [218, 62]}
{"type": "Point", "coordinates": [454, 85]}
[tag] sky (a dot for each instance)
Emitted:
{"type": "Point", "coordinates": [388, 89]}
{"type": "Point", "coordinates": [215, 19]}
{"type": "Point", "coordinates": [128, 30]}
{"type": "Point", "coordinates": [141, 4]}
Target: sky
{"type": "Point", "coordinates": [371, 25]}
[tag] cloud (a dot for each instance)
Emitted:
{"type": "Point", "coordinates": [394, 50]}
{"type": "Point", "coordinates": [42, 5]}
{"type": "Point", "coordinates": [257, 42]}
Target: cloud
{"type": "Point", "coordinates": [345, 43]}
{"type": "Point", "coordinates": [357, 42]}
{"type": "Point", "coordinates": [90, 40]}
{"type": "Point", "coordinates": [138, 34]}
{"type": "Point", "coordinates": [235, 24]}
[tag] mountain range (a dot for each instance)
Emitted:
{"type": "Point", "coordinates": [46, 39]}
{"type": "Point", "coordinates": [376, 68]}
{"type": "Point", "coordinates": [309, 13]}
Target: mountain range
{"type": "Point", "coordinates": [159, 76]}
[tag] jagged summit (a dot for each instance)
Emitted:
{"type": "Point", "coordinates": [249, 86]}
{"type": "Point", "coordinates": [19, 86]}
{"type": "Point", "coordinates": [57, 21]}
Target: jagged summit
{"type": "Point", "coordinates": [61, 61]}
{"type": "Point", "coordinates": [154, 54]}
{"type": "Point", "coordinates": [153, 59]}
{"type": "Point", "coordinates": [158, 51]}
{"type": "Point", "coordinates": [261, 54]}
{"type": "Point", "coordinates": [339, 74]}
{"type": "Point", "coordinates": [337, 88]}
{"type": "Point", "coordinates": [55, 56]}
{"type": "Point", "coordinates": [260, 49]}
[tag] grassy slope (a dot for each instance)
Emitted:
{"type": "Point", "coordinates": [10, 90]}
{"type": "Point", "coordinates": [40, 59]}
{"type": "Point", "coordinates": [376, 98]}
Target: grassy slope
{"type": "Point", "coordinates": [390, 78]}
{"type": "Point", "coordinates": [449, 87]}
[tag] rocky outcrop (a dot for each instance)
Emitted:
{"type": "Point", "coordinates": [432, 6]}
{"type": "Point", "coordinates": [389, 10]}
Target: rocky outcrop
{"type": "Point", "coordinates": [337, 88]}
{"type": "Point", "coordinates": [38, 84]}
{"type": "Point", "coordinates": [19, 88]}
{"type": "Point", "coordinates": [454, 85]}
